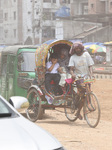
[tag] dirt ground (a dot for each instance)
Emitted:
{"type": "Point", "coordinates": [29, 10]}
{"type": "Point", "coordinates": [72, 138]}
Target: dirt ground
{"type": "Point", "coordinates": [78, 135]}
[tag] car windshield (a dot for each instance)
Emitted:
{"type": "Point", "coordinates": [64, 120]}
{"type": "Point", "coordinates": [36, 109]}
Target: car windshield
{"type": "Point", "coordinates": [5, 110]}
{"type": "Point", "coordinates": [26, 61]}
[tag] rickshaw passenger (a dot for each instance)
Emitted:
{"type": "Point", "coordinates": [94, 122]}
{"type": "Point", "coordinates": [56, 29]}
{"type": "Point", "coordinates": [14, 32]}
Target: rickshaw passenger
{"type": "Point", "coordinates": [52, 73]}
{"type": "Point", "coordinates": [63, 69]}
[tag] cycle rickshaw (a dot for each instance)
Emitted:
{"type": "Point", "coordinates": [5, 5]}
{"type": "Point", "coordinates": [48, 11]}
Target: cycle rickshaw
{"type": "Point", "coordinates": [68, 100]}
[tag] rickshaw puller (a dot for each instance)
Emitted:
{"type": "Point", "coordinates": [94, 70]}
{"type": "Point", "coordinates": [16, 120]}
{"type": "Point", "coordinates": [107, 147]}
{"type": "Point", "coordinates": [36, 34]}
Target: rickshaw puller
{"type": "Point", "coordinates": [80, 63]}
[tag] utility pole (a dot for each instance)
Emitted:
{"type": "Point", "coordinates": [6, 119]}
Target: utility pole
{"type": "Point", "coordinates": [33, 34]}
{"type": "Point", "coordinates": [41, 21]}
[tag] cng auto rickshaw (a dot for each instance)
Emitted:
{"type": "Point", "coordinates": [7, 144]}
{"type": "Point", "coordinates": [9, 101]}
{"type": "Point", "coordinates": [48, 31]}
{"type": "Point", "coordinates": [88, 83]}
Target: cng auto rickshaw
{"type": "Point", "coordinates": [17, 70]}
{"type": "Point", "coordinates": [38, 97]}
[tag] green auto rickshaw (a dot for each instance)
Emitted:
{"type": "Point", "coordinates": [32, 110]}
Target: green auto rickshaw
{"type": "Point", "coordinates": [17, 70]}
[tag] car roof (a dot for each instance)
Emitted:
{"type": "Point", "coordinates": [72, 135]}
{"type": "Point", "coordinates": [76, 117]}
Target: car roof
{"type": "Point", "coordinates": [14, 49]}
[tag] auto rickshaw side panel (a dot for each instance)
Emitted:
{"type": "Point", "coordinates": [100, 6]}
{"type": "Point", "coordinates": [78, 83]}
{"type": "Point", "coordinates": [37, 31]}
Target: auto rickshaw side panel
{"type": "Point", "coordinates": [24, 78]}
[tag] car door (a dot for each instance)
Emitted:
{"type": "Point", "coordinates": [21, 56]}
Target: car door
{"type": "Point", "coordinates": [3, 75]}
{"type": "Point", "coordinates": [7, 76]}
{"type": "Point", "coordinates": [10, 76]}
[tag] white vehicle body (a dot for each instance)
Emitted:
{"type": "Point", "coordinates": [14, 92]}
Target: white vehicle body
{"type": "Point", "coordinates": [18, 133]}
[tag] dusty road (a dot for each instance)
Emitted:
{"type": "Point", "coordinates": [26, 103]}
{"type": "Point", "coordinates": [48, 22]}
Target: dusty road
{"type": "Point", "coordinates": [78, 135]}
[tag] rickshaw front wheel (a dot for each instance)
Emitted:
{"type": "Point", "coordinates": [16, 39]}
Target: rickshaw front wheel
{"type": "Point", "coordinates": [34, 111]}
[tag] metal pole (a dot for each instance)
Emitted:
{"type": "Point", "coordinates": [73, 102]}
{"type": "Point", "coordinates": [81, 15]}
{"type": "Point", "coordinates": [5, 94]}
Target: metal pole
{"type": "Point", "coordinates": [41, 21]}
{"type": "Point", "coordinates": [33, 34]}
{"type": "Point", "coordinates": [108, 29]}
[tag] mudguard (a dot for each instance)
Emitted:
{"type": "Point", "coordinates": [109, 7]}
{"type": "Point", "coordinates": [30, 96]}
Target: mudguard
{"type": "Point", "coordinates": [37, 88]}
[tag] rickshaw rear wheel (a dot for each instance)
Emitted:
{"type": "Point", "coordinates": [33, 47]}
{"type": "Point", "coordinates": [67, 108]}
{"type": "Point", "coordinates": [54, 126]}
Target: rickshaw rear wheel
{"type": "Point", "coordinates": [34, 111]}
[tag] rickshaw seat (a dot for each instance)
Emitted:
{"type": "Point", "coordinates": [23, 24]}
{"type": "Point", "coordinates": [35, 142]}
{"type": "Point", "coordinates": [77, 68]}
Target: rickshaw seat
{"type": "Point", "coordinates": [52, 82]}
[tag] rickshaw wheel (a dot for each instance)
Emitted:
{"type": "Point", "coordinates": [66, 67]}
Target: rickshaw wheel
{"type": "Point", "coordinates": [34, 111]}
{"type": "Point", "coordinates": [70, 110]}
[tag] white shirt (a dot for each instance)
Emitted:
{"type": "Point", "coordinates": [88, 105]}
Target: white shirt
{"type": "Point", "coordinates": [54, 70]}
{"type": "Point", "coordinates": [81, 63]}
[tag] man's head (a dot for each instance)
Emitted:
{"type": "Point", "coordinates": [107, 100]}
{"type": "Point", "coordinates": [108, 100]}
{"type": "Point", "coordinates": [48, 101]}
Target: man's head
{"type": "Point", "coordinates": [63, 53]}
{"type": "Point", "coordinates": [77, 48]}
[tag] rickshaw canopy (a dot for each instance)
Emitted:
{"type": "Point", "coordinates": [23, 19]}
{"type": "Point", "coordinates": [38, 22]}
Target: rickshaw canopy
{"type": "Point", "coordinates": [42, 53]}
{"type": "Point", "coordinates": [42, 50]}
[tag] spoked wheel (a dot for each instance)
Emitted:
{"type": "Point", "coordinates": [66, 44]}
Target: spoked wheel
{"type": "Point", "coordinates": [34, 110]}
{"type": "Point", "coordinates": [91, 110]}
{"type": "Point", "coordinates": [70, 110]}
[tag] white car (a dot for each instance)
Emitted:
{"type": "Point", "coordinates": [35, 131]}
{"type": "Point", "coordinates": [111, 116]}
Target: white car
{"type": "Point", "coordinates": [18, 133]}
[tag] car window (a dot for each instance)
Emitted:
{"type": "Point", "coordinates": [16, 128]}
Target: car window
{"type": "Point", "coordinates": [26, 61]}
{"type": "Point", "coordinates": [5, 110]}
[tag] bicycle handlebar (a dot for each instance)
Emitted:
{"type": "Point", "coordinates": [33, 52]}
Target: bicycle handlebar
{"type": "Point", "coordinates": [84, 79]}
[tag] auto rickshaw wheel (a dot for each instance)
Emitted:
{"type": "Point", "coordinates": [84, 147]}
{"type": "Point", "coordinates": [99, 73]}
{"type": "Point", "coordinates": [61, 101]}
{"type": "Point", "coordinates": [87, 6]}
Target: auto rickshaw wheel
{"type": "Point", "coordinates": [34, 111]}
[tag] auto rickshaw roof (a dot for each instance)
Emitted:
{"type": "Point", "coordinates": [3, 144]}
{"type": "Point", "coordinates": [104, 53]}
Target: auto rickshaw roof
{"type": "Point", "coordinates": [42, 50]}
{"type": "Point", "coordinates": [14, 49]}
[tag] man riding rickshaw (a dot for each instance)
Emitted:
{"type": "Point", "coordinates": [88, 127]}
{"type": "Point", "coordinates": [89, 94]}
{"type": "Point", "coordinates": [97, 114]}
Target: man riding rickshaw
{"type": "Point", "coordinates": [54, 86]}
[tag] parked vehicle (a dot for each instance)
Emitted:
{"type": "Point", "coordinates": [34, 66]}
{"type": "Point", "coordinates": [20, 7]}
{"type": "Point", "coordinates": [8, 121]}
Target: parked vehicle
{"type": "Point", "coordinates": [19, 133]}
{"type": "Point", "coordinates": [17, 70]}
